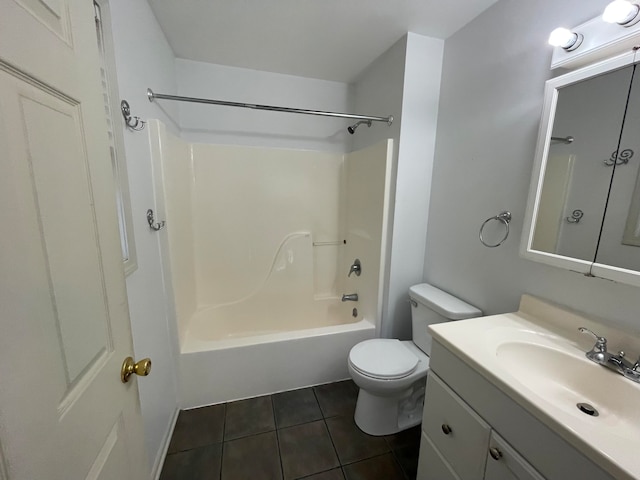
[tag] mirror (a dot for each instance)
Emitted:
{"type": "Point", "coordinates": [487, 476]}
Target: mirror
{"type": "Point", "coordinates": [584, 205]}
{"type": "Point", "coordinates": [585, 132]}
{"type": "Point", "coordinates": [620, 240]}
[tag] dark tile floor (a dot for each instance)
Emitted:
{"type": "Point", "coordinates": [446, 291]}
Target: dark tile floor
{"type": "Point", "coordinates": [308, 433]}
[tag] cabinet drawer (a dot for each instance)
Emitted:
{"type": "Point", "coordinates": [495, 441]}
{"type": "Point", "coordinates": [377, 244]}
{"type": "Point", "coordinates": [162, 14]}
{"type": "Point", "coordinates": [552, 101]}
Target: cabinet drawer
{"type": "Point", "coordinates": [457, 432]}
{"type": "Point", "coordinates": [431, 466]}
{"type": "Point", "coordinates": [504, 463]}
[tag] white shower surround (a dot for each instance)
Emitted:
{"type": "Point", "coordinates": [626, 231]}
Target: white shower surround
{"type": "Point", "coordinates": [251, 322]}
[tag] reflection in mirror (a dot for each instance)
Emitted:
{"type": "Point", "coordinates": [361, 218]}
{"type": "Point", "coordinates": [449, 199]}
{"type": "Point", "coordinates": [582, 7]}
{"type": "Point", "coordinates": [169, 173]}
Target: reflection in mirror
{"type": "Point", "coordinates": [576, 179]}
{"type": "Point", "coordinates": [620, 240]}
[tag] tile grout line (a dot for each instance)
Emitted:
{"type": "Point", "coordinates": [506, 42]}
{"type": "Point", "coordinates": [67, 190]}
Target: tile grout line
{"type": "Point", "coordinates": [275, 424]}
{"type": "Point", "coordinates": [335, 450]}
{"type": "Point", "coordinates": [332, 442]}
{"type": "Point", "coordinates": [318, 473]}
{"type": "Point", "coordinates": [313, 421]}
{"type": "Point", "coordinates": [313, 389]}
{"type": "Point", "coordinates": [367, 459]}
{"type": "Point", "coordinates": [224, 426]}
{"type": "Point", "coordinates": [324, 419]}
{"type": "Point", "coordinates": [376, 456]}
{"type": "Point", "coordinates": [393, 454]}
{"type": "Point", "coordinates": [404, 472]}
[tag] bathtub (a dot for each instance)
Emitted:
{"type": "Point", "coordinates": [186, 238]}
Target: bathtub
{"type": "Point", "coordinates": [254, 275]}
{"type": "Point", "coordinates": [281, 336]}
{"type": "Point", "coordinates": [219, 366]}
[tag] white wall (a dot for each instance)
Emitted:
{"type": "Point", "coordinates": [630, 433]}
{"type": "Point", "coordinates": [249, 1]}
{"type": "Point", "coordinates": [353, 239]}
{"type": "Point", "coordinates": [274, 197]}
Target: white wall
{"type": "Point", "coordinates": [421, 91]}
{"type": "Point", "coordinates": [491, 100]}
{"type": "Point", "coordinates": [144, 59]}
{"type": "Point", "coordinates": [404, 82]}
{"type": "Point", "coordinates": [378, 92]}
{"type": "Point", "coordinates": [240, 126]}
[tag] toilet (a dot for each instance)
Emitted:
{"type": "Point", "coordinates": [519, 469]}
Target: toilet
{"type": "Point", "coordinates": [392, 374]}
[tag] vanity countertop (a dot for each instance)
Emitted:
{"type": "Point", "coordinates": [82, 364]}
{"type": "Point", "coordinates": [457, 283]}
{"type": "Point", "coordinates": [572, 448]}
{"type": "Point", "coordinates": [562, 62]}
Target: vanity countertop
{"type": "Point", "coordinates": [537, 357]}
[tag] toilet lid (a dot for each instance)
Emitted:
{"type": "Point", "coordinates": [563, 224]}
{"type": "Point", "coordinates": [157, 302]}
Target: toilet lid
{"type": "Point", "coordinates": [383, 358]}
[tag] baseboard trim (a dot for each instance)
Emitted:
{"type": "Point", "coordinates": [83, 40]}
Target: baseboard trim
{"type": "Point", "coordinates": [162, 453]}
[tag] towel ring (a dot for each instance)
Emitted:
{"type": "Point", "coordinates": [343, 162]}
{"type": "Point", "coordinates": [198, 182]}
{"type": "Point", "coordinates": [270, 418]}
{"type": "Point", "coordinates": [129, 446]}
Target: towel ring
{"type": "Point", "coordinates": [505, 218]}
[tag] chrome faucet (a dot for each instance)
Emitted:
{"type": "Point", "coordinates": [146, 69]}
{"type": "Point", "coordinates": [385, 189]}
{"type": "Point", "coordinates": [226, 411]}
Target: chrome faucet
{"type": "Point", "coordinates": [350, 297]}
{"type": "Point", "coordinates": [356, 268]}
{"type": "Point", "coordinates": [598, 353]}
{"type": "Point", "coordinates": [618, 363]}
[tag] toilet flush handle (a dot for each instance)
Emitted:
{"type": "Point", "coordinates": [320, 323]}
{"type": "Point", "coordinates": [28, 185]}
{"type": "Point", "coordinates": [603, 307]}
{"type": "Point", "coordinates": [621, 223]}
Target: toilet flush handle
{"type": "Point", "coordinates": [413, 303]}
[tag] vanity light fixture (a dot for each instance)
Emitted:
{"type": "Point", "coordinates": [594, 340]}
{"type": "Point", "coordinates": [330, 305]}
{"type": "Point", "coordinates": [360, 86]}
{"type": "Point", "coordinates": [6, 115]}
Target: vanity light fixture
{"type": "Point", "coordinates": [622, 12]}
{"type": "Point", "coordinates": [565, 38]}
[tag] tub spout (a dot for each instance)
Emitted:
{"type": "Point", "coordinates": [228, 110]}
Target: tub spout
{"type": "Point", "coordinates": [350, 297]}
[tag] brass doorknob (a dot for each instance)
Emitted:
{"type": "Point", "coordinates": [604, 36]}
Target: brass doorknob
{"type": "Point", "coordinates": [129, 367]}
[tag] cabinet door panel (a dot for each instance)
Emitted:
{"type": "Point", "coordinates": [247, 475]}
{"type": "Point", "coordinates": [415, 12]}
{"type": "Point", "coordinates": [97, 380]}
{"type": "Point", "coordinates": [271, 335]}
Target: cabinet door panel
{"type": "Point", "coordinates": [458, 433]}
{"type": "Point", "coordinates": [431, 466]}
{"type": "Point", "coordinates": [508, 465]}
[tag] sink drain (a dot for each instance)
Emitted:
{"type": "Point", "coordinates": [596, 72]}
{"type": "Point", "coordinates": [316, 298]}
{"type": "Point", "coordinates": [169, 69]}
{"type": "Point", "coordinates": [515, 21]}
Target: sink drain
{"type": "Point", "coordinates": [588, 409]}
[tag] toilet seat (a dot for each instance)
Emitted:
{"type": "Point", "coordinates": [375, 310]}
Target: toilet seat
{"type": "Point", "coordinates": [385, 359]}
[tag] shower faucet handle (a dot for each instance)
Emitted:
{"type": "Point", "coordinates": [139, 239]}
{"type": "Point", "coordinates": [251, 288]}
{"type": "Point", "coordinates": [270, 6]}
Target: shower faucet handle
{"type": "Point", "coordinates": [356, 268]}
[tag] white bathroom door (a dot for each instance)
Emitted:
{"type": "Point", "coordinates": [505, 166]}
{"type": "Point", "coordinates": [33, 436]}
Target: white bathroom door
{"type": "Point", "coordinates": [64, 324]}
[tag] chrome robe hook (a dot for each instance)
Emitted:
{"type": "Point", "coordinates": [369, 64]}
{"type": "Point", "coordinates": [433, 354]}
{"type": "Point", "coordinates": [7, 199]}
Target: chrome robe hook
{"type": "Point", "coordinates": [152, 222]}
{"type": "Point", "coordinates": [576, 216]}
{"type": "Point", "coordinates": [134, 123]}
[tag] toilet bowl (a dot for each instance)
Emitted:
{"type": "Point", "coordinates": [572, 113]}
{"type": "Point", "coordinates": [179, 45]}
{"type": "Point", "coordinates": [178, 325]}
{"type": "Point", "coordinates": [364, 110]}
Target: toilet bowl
{"type": "Point", "coordinates": [384, 366]}
{"type": "Point", "coordinates": [391, 374]}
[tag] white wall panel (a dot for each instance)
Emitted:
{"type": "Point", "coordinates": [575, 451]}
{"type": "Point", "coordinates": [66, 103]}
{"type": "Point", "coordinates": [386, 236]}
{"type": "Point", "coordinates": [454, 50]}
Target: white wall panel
{"type": "Point", "coordinates": [144, 59]}
{"type": "Point", "coordinates": [491, 99]}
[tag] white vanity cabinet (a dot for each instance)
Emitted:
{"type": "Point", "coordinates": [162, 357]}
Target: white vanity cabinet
{"type": "Point", "coordinates": [455, 430]}
{"type": "Point", "coordinates": [458, 444]}
{"type": "Point", "coordinates": [504, 463]}
{"type": "Point", "coordinates": [471, 431]}
{"type": "Point", "coordinates": [431, 465]}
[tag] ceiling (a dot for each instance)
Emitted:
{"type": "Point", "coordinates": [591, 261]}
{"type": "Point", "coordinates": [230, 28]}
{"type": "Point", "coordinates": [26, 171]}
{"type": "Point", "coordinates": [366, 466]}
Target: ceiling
{"type": "Point", "coordinates": [325, 39]}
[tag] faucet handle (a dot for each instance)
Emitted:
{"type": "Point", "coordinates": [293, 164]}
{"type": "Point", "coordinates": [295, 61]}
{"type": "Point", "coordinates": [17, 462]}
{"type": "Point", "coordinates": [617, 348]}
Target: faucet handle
{"type": "Point", "coordinates": [601, 342]}
{"type": "Point", "coordinates": [356, 268]}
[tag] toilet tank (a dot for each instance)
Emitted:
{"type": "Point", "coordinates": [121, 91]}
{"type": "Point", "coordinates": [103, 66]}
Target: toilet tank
{"type": "Point", "coordinates": [431, 305]}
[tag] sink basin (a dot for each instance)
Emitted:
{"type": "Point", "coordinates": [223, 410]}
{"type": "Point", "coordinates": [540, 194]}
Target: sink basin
{"type": "Point", "coordinates": [536, 357]}
{"type": "Point", "coordinates": [564, 378]}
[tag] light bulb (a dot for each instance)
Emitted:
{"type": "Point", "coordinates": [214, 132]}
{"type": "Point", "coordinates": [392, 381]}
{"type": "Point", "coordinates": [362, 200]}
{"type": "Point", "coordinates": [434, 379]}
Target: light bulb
{"type": "Point", "coordinates": [565, 38]}
{"type": "Point", "coordinates": [621, 12]}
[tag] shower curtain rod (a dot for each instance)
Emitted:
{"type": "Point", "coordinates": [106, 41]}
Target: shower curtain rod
{"type": "Point", "coordinates": [152, 96]}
